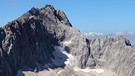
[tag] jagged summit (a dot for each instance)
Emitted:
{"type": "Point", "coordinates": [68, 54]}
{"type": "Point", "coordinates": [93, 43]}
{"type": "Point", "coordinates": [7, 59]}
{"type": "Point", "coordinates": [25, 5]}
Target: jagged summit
{"type": "Point", "coordinates": [123, 40]}
{"type": "Point", "coordinates": [47, 6]}
{"type": "Point", "coordinates": [28, 42]}
{"type": "Point", "coordinates": [47, 12]}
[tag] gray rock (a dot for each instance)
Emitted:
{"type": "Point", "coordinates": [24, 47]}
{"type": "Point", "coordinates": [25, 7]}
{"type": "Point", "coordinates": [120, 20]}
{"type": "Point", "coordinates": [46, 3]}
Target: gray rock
{"type": "Point", "coordinates": [116, 54]}
{"type": "Point", "coordinates": [27, 43]}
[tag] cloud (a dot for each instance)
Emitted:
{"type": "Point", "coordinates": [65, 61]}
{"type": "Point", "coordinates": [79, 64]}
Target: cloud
{"type": "Point", "coordinates": [128, 35]}
{"type": "Point", "coordinates": [124, 33]}
{"type": "Point", "coordinates": [92, 35]}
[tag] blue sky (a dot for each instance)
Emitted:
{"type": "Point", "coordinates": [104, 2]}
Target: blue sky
{"type": "Point", "coordinates": [105, 16]}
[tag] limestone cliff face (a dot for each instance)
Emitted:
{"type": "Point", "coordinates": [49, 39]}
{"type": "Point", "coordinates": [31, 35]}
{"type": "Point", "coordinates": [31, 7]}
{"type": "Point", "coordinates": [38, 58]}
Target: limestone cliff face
{"type": "Point", "coordinates": [28, 42]}
{"type": "Point", "coordinates": [116, 54]}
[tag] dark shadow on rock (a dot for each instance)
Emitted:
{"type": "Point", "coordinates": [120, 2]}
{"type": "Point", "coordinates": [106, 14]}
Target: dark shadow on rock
{"type": "Point", "coordinates": [67, 49]}
{"type": "Point", "coordinates": [57, 61]}
{"type": "Point", "coordinates": [27, 43]}
{"type": "Point", "coordinates": [20, 73]}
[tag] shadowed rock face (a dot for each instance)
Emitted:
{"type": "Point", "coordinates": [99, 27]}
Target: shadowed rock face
{"type": "Point", "coordinates": [28, 43]}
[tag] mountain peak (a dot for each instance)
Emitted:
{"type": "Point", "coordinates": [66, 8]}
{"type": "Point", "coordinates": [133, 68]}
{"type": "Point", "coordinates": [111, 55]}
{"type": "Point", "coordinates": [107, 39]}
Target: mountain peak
{"type": "Point", "coordinates": [49, 6]}
{"type": "Point", "coordinates": [124, 40]}
{"type": "Point", "coordinates": [47, 13]}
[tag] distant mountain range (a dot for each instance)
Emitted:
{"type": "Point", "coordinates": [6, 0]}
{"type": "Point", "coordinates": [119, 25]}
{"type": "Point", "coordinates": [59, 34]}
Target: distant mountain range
{"type": "Point", "coordinates": [128, 35]}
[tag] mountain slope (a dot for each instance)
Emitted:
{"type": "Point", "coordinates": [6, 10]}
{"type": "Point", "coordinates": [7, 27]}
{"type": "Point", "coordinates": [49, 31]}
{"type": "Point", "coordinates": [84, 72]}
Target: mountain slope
{"type": "Point", "coordinates": [28, 42]}
{"type": "Point", "coordinates": [45, 39]}
{"type": "Point", "coordinates": [116, 54]}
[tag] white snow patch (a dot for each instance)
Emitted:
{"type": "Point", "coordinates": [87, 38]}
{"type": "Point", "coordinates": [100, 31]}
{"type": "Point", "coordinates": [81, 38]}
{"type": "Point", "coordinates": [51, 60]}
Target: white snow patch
{"type": "Point", "coordinates": [10, 47]}
{"type": "Point", "coordinates": [59, 72]}
{"type": "Point", "coordinates": [87, 70]}
{"type": "Point", "coordinates": [62, 57]}
{"type": "Point", "coordinates": [67, 42]}
{"type": "Point", "coordinates": [70, 60]}
{"type": "Point", "coordinates": [99, 71]}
